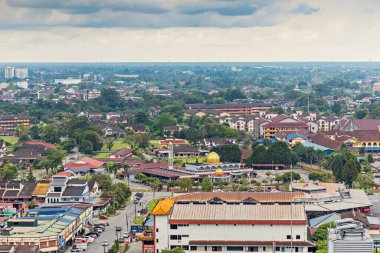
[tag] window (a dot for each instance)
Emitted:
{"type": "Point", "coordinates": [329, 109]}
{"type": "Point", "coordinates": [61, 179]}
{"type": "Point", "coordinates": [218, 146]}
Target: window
{"type": "Point", "coordinates": [288, 237]}
{"type": "Point", "coordinates": [216, 248]}
{"type": "Point", "coordinates": [185, 235]}
{"type": "Point", "coordinates": [175, 237]}
{"type": "Point", "coordinates": [173, 226]}
{"type": "Point", "coordinates": [157, 240]}
{"type": "Point", "coordinates": [193, 248]}
{"type": "Point", "coordinates": [253, 249]}
{"type": "Point", "coordinates": [157, 230]}
{"type": "Point", "coordinates": [185, 247]}
{"type": "Point", "coordinates": [235, 248]}
{"type": "Point", "coordinates": [298, 237]}
{"type": "Point", "coordinates": [264, 249]}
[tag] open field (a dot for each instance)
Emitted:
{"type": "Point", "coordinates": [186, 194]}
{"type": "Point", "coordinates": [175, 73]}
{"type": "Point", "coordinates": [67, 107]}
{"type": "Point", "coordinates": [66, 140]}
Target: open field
{"type": "Point", "coordinates": [10, 139]}
{"type": "Point", "coordinates": [117, 144]}
{"type": "Point", "coordinates": [101, 155]}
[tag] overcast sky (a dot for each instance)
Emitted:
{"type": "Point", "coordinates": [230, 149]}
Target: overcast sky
{"type": "Point", "coordinates": [189, 30]}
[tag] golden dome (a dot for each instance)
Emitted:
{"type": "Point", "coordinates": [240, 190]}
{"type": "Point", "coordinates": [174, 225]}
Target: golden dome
{"type": "Point", "coordinates": [213, 158]}
{"type": "Point", "coordinates": [219, 172]}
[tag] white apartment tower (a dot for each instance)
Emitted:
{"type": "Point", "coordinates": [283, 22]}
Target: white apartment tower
{"type": "Point", "coordinates": [9, 72]}
{"type": "Point", "coordinates": [21, 73]}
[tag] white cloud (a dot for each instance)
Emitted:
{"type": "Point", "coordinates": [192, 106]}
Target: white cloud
{"type": "Point", "coordinates": [336, 32]}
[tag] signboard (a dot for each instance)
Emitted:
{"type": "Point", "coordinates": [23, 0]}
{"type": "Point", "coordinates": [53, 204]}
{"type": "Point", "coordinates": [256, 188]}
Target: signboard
{"type": "Point", "coordinates": [138, 229]}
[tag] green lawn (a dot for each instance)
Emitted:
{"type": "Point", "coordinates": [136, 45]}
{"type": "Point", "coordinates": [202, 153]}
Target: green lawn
{"type": "Point", "coordinates": [155, 143]}
{"type": "Point", "coordinates": [139, 220]}
{"type": "Point", "coordinates": [10, 139]}
{"type": "Point", "coordinates": [102, 155]}
{"type": "Point", "coordinates": [118, 144]}
{"type": "Point", "coordinates": [190, 160]}
{"type": "Point", "coordinates": [151, 204]}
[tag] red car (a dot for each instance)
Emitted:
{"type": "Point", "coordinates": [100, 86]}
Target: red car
{"type": "Point", "coordinates": [103, 217]}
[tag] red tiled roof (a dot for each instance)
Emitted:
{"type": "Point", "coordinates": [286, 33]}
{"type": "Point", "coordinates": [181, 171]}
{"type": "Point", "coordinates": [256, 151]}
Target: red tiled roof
{"type": "Point", "coordinates": [323, 140]}
{"type": "Point", "coordinates": [85, 162]}
{"type": "Point", "coordinates": [92, 161]}
{"type": "Point", "coordinates": [152, 165]}
{"type": "Point", "coordinates": [367, 124]}
{"type": "Point", "coordinates": [279, 118]}
{"type": "Point", "coordinates": [245, 153]}
{"type": "Point", "coordinates": [286, 124]}
{"type": "Point", "coordinates": [45, 144]}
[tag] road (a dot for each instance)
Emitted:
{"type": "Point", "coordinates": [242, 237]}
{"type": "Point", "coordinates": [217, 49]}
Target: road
{"type": "Point", "coordinates": [120, 220]}
{"type": "Point", "coordinates": [375, 200]}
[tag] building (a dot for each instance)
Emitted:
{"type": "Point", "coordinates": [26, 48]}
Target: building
{"type": "Point", "coordinates": [211, 164]}
{"type": "Point", "coordinates": [49, 228]}
{"type": "Point", "coordinates": [121, 153]}
{"type": "Point", "coordinates": [84, 166]}
{"type": "Point", "coordinates": [376, 87]}
{"type": "Point", "coordinates": [284, 124]}
{"type": "Point", "coordinates": [9, 72]}
{"type": "Point", "coordinates": [225, 228]}
{"type": "Point", "coordinates": [233, 108]}
{"type": "Point", "coordinates": [21, 73]}
{"type": "Point", "coordinates": [68, 81]}
{"type": "Point", "coordinates": [11, 122]}
{"type": "Point", "coordinates": [349, 236]}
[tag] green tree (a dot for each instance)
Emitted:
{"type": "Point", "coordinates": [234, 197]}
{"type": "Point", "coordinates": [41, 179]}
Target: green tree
{"type": "Point", "coordinates": [321, 233]}
{"type": "Point", "coordinates": [228, 153]}
{"type": "Point", "coordinates": [207, 185]}
{"type": "Point", "coordinates": [365, 181]}
{"type": "Point", "coordinates": [34, 132]}
{"type": "Point", "coordinates": [8, 172]}
{"type": "Point", "coordinates": [164, 119]}
{"type": "Point", "coordinates": [345, 167]}
{"type": "Point", "coordinates": [104, 181]}
{"type": "Point", "coordinates": [44, 164]}
{"type": "Point", "coordinates": [55, 157]}
{"type": "Point", "coordinates": [30, 177]}
{"type": "Point", "coordinates": [50, 133]}
{"type": "Point", "coordinates": [109, 145]}
{"type": "Point", "coordinates": [155, 184]}
{"type": "Point", "coordinates": [286, 177]}
{"type": "Point", "coordinates": [141, 117]}
{"type": "Point", "coordinates": [361, 113]}
{"type": "Point", "coordinates": [171, 184]}
{"type": "Point", "coordinates": [185, 184]}
{"type": "Point", "coordinates": [175, 250]}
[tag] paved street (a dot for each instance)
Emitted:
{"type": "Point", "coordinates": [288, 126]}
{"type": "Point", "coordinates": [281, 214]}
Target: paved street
{"type": "Point", "coordinates": [120, 220]}
{"type": "Point", "coordinates": [375, 200]}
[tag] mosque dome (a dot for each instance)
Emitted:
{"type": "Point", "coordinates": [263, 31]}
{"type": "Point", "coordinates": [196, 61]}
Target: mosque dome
{"type": "Point", "coordinates": [219, 172]}
{"type": "Point", "coordinates": [213, 158]}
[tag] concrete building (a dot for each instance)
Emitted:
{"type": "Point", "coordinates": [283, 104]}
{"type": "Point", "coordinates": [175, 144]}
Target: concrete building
{"type": "Point", "coordinates": [11, 122]}
{"type": "Point", "coordinates": [49, 228]}
{"type": "Point", "coordinates": [68, 81]}
{"type": "Point", "coordinates": [225, 228]}
{"type": "Point", "coordinates": [9, 72]}
{"type": "Point", "coordinates": [21, 73]}
{"type": "Point", "coordinates": [349, 236]}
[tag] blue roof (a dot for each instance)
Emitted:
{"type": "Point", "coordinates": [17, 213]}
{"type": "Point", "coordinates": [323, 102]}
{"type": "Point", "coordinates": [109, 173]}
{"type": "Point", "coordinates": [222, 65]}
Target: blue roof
{"type": "Point", "coordinates": [372, 149]}
{"type": "Point", "coordinates": [296, 135]}
{"type": "Point", "coordinates": [316, 146]}
{"type": "Point", "coordinates": [318, 221]}
{"type": "Point", "coordinates": [149, 222]}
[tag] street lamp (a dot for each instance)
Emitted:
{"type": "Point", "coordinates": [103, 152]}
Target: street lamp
{"type": "Point", "coordinates": [105, 246]}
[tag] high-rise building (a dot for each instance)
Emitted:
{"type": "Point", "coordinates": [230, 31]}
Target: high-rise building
{"type": "Point", "coordinates": [9, 72]}
{"type": "Point", "coordinates": [21, 73]}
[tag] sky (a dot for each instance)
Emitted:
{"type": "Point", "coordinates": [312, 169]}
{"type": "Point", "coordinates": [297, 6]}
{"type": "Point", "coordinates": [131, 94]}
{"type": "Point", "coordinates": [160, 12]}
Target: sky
{"type": "Point", "coordinates": [189, 30]}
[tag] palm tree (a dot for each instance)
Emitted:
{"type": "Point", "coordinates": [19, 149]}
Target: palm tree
{"type": "Point", "coordinates": [126, 167]}
{"type": "Point", "coordinates": [155, 184]}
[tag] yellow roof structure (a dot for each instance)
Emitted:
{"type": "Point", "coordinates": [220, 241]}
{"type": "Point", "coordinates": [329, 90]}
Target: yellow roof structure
{"type": "Point", "coordinates": [41, 189]}
{"type": "Point", "coordinates": [219, 172]}
{"type": "Point", "coordinates": [163, 207]}
{"type": "Point", "coordinates": [213, 159]}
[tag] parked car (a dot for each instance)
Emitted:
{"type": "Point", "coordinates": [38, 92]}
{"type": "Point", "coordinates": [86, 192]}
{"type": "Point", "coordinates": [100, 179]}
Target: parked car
{"type": "Point", "coordinates": [100, 227]}
{"type": "Point", "coordinates": [99, 230]}
{"type": "Point", "coordinates": [103, 217]}
{"type": "Point", "coordinates": [89, 238]}
{"type": "Point", "coordinates": [76, 250]}
{"type": "Point", "coordinates": [126, 235]}
{"type": "Point", "coordinates": [93, 234]}
{"type": "Point", "coordinates": [121, 240]}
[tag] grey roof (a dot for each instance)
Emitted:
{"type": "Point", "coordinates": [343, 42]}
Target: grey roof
{"type": "Point", "coordinates": [53, 194]}
{"type": "Point", "coordinates": [76, 181]}
{"type": "Point", "coordinates": [74, 191]}
{"type": "Point", "coordinates": [185, 148]}
{"type": "Point", "coordinates": [28, 189]}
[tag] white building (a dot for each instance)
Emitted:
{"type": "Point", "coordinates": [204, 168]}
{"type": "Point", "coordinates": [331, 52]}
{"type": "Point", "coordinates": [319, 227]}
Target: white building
{"type": "Point", "coordinates": [68, 81]}
{"type": "Point", "coordinates": [22, 84]}
{"type": "Point", "coordinates": [21, 73]}
{"type": "Point", "coordinates": [9, 72]}
{"type": "Point", "coordinates": [225, 228]}
{"type": "Point", "coordinates": [349, 236]}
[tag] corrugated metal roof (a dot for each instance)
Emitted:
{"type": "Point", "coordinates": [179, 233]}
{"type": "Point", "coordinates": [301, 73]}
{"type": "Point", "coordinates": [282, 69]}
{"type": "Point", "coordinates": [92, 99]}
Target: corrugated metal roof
{"type": "Point", "coordinates": [238, 212]}
{"type": "Point", "coordinates": [262, 197]}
